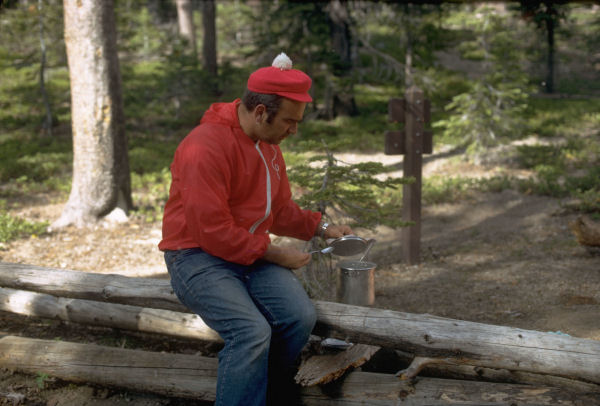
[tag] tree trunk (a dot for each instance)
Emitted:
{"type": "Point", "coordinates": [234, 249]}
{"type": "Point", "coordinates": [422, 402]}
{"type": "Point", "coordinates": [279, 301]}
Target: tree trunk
{"type": "Point", "coordinates": [185, 18]}
{"type": "Point", "coordinates": [343, 95]}
{"type": "Point", "coordinates": [550, 23]}
{"type": "Point", "coordinates": [47, 125]}
{"type": "Point", "coordinates": [194, 377]}
{"type": "Point", "coordinates": [101, 180]}
{"type": "Point", "coordinates": [209, 43]}
{"type": "Point", "coordinates": [408, 58]}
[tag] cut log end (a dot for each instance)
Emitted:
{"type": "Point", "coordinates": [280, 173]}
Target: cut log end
{"type": "Point", "coordinates": [586, 231]}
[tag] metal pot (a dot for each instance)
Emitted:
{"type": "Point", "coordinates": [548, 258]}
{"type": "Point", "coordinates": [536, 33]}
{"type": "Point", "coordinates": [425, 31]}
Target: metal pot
{"type": "Point", "coordinates": [356, 282]}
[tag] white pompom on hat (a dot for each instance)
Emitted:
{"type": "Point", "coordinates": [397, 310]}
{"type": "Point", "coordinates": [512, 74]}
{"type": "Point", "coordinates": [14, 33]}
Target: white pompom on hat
{"type": "Point", "coordinates": [282, 61]}
{"type": "Point", "coordinates": [281, 79]}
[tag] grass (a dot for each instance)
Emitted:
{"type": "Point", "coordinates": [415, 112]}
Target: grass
{"type": "Point", "coordinates": [12, 227]}
{"type": "Point", "coordinates": [563, 117]}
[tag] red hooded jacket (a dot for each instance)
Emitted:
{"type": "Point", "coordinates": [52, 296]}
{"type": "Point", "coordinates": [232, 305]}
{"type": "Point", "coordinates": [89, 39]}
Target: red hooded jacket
{"type": "Point", "coordinates": [228, 192]}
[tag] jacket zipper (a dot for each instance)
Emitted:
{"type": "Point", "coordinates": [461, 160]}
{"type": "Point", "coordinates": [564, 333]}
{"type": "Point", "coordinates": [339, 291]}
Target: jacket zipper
{"type": "Point", "coordinates": [268, 209]}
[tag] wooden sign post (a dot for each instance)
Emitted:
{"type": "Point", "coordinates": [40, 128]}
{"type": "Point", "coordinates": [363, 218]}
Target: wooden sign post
{"type": "Point", "coordinates": [412, 142]}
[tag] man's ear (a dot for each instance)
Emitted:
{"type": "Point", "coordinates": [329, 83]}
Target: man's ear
{"type": "Point", "coordinates": [259, 112]}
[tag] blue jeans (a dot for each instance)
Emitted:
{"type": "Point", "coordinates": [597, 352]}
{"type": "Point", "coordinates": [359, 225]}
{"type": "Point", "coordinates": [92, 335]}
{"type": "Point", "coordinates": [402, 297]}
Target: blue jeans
{"type": "Point", "coordinates": [261, 311]}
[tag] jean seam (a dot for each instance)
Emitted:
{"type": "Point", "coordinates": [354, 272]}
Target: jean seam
{"type": "Point", "coordinates": [181, 283]}
{"type": "Point", "coordinates": [266, 310]}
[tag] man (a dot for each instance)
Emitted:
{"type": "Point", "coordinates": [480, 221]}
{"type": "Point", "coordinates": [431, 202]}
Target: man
{"type": "Point", "coordinates": [230, 190]}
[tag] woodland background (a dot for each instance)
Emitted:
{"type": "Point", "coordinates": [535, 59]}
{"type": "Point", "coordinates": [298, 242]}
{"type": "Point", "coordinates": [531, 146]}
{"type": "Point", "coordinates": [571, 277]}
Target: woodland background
{"type": "Point", "coordinates": [515, 96]}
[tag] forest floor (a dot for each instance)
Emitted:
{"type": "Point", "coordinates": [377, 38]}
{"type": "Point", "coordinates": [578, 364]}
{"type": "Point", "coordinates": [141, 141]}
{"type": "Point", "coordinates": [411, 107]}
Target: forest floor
{"type": "Point", "coordinates": [499, 258]}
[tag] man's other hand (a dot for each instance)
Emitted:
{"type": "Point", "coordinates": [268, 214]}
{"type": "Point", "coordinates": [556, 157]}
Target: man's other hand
{"type": "Point", "coordinates": [286, 256]}
{"type": "Point", "coordinates": [337, 231]}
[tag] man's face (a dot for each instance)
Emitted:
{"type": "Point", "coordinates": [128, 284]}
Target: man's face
{"type": "Point", "coordinates": [283, 124]}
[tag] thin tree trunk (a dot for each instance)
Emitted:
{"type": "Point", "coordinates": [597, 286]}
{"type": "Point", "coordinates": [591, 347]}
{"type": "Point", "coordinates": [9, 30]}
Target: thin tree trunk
{"type": "Point", "coordinates": [550, 62]}
{"type": "Point", "coordinates": [343, 97]}
{"type": "Point", "coordinates": [209, 44]}
{"type": "Point", "coordinates": [408, 60]}
{"type": "Point", "coordinates": [185, 18]}
{"type": "Point", "coordinates": [47, 125]}
{"type": "Point", "coordinates": [101, 180]}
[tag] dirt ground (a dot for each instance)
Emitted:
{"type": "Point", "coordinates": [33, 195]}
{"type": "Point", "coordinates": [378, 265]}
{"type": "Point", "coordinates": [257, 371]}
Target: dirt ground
{"type": "Point", "coordinates": [499, 258]}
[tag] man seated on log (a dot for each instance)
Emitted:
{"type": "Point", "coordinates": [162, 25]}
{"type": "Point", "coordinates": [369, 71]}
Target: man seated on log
{"type": "Point", "coordinates": [229, 190]}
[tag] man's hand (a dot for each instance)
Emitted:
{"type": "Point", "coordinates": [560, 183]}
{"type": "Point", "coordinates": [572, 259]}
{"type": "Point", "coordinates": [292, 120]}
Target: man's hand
{"type": "Point", "coordinates": [287, 257]}
{"type": "Point", "coordinates": [335, 231]}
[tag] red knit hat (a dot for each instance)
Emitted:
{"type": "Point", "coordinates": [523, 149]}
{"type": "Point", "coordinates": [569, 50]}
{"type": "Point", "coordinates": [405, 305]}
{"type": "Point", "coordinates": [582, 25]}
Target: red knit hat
{"type": "Point", "coordinates": [282, 80]}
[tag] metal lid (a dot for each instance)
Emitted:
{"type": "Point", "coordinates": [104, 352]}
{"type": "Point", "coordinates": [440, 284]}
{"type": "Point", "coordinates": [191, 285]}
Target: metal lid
{"type": "Point", "coordinates": [348, 245]}
{"type": "Point", "coordinates": [356, 265]}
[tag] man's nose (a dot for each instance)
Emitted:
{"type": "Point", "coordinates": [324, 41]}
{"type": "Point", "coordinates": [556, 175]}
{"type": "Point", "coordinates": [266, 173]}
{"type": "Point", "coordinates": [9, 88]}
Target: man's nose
{"type": "Point", "coordinates": [293, 128]}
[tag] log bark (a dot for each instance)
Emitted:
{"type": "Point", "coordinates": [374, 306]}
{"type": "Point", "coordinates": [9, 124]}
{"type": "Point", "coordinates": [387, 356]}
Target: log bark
{"type": "Point", "coordinates": [449, 369]}
{"type": "Point", "coordinates": [320, 369]}
{"type": "Point", "coordinates": [188, 376]}
{"type": "Point", "coordinates": [194, 377]}
{"type": "Point", "coordinates": [472, 373]}
{"type": "Point", "coordinates": [468, 343]}
{"type": "Point", "coordinates": [145, 292]}
{"type": "Point", "coordinates": [135, 318]}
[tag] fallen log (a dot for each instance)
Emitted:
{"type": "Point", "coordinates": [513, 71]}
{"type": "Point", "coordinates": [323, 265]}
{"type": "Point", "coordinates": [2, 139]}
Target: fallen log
{"type": "Point", "coordinates": [135, 318]}
{"type": "Point", "coordinates": [194, 377]}
{"type": "Point", "coordinates": [187, 376]}
{"type": "Point", "coordinates": [466, 342]}
{"type": "Point", "coordinates": [450, 369]}
{"type": "Point", "coordinates": [144, 292]}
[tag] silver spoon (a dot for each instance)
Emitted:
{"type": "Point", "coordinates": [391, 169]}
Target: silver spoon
{"type": "Point", "coordinates": [325, 250]}
{"type": "Point", "coordinates": [370, 244]}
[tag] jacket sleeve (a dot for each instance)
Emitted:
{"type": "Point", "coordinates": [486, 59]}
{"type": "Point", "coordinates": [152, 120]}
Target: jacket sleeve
{"type": "Point", "coordinates": [288, 218]}
{"type": "Point", "coordinates": [204, 174]}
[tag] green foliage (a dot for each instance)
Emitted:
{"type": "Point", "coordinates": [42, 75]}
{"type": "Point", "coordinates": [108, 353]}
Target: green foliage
{"type": "Point", "coordinates": [12, 228]}
{"type": "Point", "coordinates": [442, 189]}
{"type": "Point", "coordinates": [483, 115]}
{"type": "Point", "coordinates": [19, 36]}
{"type": "Point", "coordinates": [148, 156]}
{"type": "Point", "coordinates": [150, 192]}
{"type": "Point", "coordinates": [564, 170]}
{"type": "Point", "coordinates": [234, 24]}
{"type": "Point", "coordinates": [491, 108]}
{"type": "Point", "coordinates": [41, 379]}
{"type": "Point", "coordinates": [165, 92]}
{"type": "Point", "coordinates": [348, 190]}
{"type": "Point", "coordinates": [388, 31]}
{"type": "Point", "coordinates": [42, 161]}
{"type": "Point", "coordinates": [564, 117]}
{"type": "Point", "coordinates": [24, 25]}
{"type": "Point", "coordinates": [363, 132]}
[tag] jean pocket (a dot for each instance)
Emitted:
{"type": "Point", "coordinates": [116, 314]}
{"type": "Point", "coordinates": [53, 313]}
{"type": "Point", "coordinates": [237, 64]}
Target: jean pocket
{"type": "Point", "coordinates": [186, 265]}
